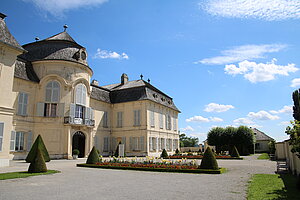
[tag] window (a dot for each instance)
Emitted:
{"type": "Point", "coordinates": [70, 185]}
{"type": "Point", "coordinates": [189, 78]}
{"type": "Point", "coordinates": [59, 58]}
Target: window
{"type": "Point", "coordinates": [161, 121]}
{"type": "Point", "coordinates": [152, 122]}
{"type": "Point", "coordinates": [137, 143]}
{"type": "Point", "coordinates": [175, 144]}
{"type": "Point", "coordinates": [163, 143]}
{"type": "Point", "coordinates": [1, 134]}
{"type": "Point", "coordinates": [22, 103]}
{"type": "Point", "coordinates": [119, 119]}
{"type": "Point", "coordinates": [152, 143]}
{"type": "Point", "coordinates": [106, 144]}
{"type": "Point", "coordinates": [79, 111]}
{"type": "Point", "coordinates": [174, 124]}
{"type": "Point", "coordinates": [19, 142]}
{"type": "Point", "coordinates": [105, 120]}
{"type": "Point", "coordinates": [52, 99]}
{"type": "Point", "coordinates": [137, 118]}
{"type": "Point", "coordinates": [80, 94]}
{"type": "Point", "coordinates": [168, 122]}
{"type": "Point", "coordinates": [50, 110]}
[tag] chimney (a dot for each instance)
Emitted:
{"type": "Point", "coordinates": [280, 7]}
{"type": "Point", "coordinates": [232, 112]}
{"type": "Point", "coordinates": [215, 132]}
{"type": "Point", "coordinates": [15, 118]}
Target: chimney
{"type": "Point", "coordinates": [95, 82]}
{"type": "Point", "coordinates": [124, 79]}
{"type": "Point", "coordinates": [2, 16]}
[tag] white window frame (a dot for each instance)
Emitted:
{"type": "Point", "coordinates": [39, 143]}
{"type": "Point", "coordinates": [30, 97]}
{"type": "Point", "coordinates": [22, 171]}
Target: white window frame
{"type": "Point", "coordinates": [1, 135]}
{"type": "Point", "coordinates": [49, 111]}
{"type": "Point", "coordinates": [150, 144]}
{"type": "Point", "coordinates": [175, 124]}
{"type": "Point", "coordinates": [152, 118]}
{"type": "Point", "coordinates": [161, 121]}
{"type": "Point", "coordinates": [19, 141]}
{"type": "Point", "coordinates": [22, 103]}
{"type": "Point", "coordinates": [105, 119]}
{"type": "Point", "coordinates": [80, 94]}
{"type": "Point", "coordinates": [119, 119]}
{"type": "Point", "coordinates": [137, 117]}
{"type": "Point", "coordinates": [52, 88]}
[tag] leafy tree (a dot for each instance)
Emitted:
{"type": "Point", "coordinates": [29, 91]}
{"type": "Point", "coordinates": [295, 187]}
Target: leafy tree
{"type": "Point", "coordinates": [38, 144]}
{"type": "Point", "coordinates": [209, 160]}
{"type": "Point", "coordinates": [93, 157]}
{"type": "Point", "coordinates": [186, 141]}
{"type": "Point", "coordinates": [296, 107]}
{"type": "Point", "coordinates": [164, 154]}
{"type": "Point", "coordinates": [38, 165]}
{"type": "Point", "coordinates": [214, 137]}
{"type": "Point", "coordinates": [272, 147]}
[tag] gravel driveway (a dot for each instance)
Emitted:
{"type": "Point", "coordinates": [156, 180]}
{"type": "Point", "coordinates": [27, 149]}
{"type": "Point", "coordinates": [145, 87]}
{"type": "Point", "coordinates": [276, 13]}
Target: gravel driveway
{"type": "Point", "coordinates": [92, 184]}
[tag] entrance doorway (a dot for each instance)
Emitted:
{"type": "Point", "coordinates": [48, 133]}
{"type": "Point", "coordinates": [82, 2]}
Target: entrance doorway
{"type": "Point", "coordinates": [78, 142]}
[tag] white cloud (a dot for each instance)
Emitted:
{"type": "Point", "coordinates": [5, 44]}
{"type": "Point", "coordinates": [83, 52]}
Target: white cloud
{"type": "Point", "coordinates": [243, 121]}
{"type": "Point", "coordinates": [216, 119]}
{"type": "Point", "coordinates": [214, 107]}
{"type": "Point", "coordinates": [269, 10]}
{"type": "Point", "coordinates": [197, 119]}
{"type": "Point", "coordinates": [103, 54]}
{"type": "Point", "coordinates": [285, 109]}
{"type": "Point", "coordinates": [188, 128]}
{"type": "Point", "coordinates": [284, 123]}
{"type": "Point", "coordinates": [260, 72]}
{"type": "Point", "coordinates": [262, 115]}
{"type": "Point", "coordinates": [295, 82]}
{"type": "Point", "coordinates": [244, 52]}
{"type": "Point", "coordinates": [58, 7]}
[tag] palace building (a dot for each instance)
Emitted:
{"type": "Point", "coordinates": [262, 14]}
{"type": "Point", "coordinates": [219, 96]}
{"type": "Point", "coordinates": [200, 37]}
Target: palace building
{"type": "Point", "coordinates": [47, 90]}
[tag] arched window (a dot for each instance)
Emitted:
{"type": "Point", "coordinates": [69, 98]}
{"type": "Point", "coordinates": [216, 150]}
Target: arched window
{"type": "Point", "coordinates": [80, 101]}
{"type": "Point", "coordinates": [80, 94]}
{"type": "Point", "coordinates": [52, 92]}
{"type": "Point", "coordinates": [51, 99]}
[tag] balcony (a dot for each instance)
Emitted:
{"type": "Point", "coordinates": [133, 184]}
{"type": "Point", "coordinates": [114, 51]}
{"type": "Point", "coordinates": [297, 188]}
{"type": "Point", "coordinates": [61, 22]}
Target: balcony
{"type": "Point", "coordinates": [79, 121]}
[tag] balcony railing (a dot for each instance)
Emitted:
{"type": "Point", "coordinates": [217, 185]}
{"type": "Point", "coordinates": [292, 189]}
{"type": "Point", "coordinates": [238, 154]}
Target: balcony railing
{"type": "Point", "coordinates": [79, 121]}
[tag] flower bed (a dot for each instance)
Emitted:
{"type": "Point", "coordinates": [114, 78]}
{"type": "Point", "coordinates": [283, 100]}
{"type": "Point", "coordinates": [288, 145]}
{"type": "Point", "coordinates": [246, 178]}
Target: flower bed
{"type": "Point", "coordinates": [158, 167]}
{"type": "Point", "coordinates": [201, 156]}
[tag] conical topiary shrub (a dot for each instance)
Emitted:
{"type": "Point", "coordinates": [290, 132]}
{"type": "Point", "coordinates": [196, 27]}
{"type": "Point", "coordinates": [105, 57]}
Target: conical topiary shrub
{"type": "Point", "coordinates": [164, 154]}
{"type": "Point", "coordinates": [38, 165]}
{"type": "Point", "coordinates": [38, 144]}
{"type": "Point", "coordinates": [116, 154]}
{"type": "Point", "coordinates": [177, 152]}
{"type": "Point", "coordinates": [93, 157]}
{"type": "Point", "coordinates": [235, 152]}
{"type": "Point", "coordinates": [209, 160]}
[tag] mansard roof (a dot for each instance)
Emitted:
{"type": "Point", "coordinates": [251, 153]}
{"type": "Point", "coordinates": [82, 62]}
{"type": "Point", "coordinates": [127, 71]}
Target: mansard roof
{"type": "Point", "coordinates": [259, 135]}
{"type": "Point", "coordinates": [6, 37]}
{"type": "Point", "coordinates": [137, 90]}
{"type": "Point", "coordinates": [24, 70]}
{"type": "Point", "coordinates": [64, 36]}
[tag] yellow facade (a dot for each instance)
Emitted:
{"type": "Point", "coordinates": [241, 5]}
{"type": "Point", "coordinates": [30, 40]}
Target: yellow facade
{"type": "Point", "coordinates": [57, 102]}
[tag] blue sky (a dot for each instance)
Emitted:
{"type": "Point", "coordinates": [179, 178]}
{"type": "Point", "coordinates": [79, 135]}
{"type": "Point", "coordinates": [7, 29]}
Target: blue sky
{"type": "Point", "coordinates": [224, 62]}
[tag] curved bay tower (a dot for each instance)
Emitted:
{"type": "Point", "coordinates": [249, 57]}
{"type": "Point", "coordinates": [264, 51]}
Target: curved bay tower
{"type": "Point", "coordinates": [46, 90]}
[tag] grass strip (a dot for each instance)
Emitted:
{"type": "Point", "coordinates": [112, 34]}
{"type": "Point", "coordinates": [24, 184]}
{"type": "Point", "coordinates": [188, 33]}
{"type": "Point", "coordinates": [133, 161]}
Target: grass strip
{"type": "Point", "coordinates": [264, 156]}
{"type": "Point", "coordinates": [24, 174]}
{"type": "Point", "coordinates": [194, 171]}
{"type": "Point", "coordinates": [273, 186]}
{"type": "Point", "coordinates": [233, 158]}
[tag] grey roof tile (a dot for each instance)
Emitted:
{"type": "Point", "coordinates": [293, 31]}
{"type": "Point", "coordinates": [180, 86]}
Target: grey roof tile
{"type": "Point", "coordinates": [259, 135]}
{"type": "Point", "coordinates": [24, 70]}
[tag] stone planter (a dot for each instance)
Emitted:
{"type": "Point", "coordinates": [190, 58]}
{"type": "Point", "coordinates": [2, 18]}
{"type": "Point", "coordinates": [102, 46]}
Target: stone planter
{"type": "Point", "coordinates": [75, 157]}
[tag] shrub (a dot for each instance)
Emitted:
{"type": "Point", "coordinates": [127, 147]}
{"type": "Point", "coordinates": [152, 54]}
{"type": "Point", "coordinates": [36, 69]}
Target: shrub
{"type": "Point", "coordinates": [177, 152]}
{"type": "Point", "coordinates": [76, 152]}
{"type": "Point", "coordinates": [164, 154]}
{"type": "Point", "coordinates": [235, 152]}
{"type": "Point", "coordinates": [38, 165]}
{"type": "Point", "coordinates": [209, 160]}
{"type": "Point", "coordinates": [190, 154]}
{"type": "Point", "coordinates": [93, 157]}
{"type": "Point", "coordinates": [116, 154]}
{"type": "Point", "coordinates": [38, 144]}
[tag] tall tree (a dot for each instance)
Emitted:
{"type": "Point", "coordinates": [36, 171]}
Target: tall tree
{"type": "Point", "coordinates": [296, 107]}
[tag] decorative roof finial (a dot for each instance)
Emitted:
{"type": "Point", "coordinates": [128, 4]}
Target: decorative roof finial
{"type": "Point", "coordinates": [37, 38]}
{"type": "Point", "coordinates": [148, 80]}
{"type": "Point", "coordinates": [65, 27]}
{"type": "Point", "coordinates": [141, 76]}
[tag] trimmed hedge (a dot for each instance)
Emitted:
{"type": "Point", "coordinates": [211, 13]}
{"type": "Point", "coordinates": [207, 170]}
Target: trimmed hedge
{"type": "Point", "coordinates": [38, 165]}
{"type": "Point", "coordinates": [209, 160]}
{"type": "Point", "coordinates": [201, 157]}
{"type": "Point", "coordinates": [93, 157]}
{"type": "Point", "coordinates": [38, 144]}
{"type": "Point", "coordinates": [194, 171]}
{"type": "Point", "coordinates": [164, 154]}
{"type": "Point", "coordinates": [235, 152]}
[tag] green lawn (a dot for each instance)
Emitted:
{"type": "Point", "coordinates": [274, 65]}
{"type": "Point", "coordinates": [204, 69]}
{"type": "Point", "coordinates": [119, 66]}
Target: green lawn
{"type": "Point", "coordinates": [13, 175]}
{"type": "Point", "coordinates": [273, 186]}
{"type": "Point", "coordinates": [264, 156]}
